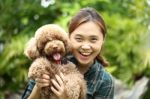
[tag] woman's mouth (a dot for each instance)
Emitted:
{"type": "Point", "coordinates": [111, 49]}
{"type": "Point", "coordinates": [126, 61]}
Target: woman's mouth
{"type": "Point", "coordinates": [84, 55]}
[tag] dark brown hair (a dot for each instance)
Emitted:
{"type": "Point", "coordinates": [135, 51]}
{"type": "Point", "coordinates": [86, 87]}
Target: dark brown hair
{"type": "Point", "coordinates": [85, 15]}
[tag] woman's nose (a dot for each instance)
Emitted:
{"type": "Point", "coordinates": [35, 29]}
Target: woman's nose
{"type": "Point", "coordinates": [85, 46]}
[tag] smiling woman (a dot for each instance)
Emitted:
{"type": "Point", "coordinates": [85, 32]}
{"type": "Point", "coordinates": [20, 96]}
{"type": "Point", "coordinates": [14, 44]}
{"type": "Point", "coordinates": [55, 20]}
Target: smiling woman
{"type": "Point", "coordinates": [87, 32]}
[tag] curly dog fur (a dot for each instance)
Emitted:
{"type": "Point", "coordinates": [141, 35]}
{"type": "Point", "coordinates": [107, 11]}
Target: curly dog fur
{"type": "Point", "coordinates": [47, 48]}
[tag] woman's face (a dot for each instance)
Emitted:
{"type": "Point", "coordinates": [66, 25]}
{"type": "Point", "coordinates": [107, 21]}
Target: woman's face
{"type": "Point", "coordinates": [86, 41]}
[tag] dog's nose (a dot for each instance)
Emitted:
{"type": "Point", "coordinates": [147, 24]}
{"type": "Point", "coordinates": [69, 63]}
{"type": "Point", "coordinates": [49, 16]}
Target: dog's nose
{"type": "Point", "coordinates": [54, 47]}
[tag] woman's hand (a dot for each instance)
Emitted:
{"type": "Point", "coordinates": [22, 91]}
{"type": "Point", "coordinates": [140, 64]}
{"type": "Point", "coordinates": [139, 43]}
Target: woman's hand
{"type": "Point", "coordinates": [40, 83]}
{"type": "Point", "coordinates": [43, 81]}
{"type": "Point", "coordinates": [58, 86]}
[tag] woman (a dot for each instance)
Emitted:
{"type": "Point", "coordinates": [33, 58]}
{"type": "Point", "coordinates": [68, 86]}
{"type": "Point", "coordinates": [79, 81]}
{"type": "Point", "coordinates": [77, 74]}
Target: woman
{"type": "Point", "coordinates": [87, 32]}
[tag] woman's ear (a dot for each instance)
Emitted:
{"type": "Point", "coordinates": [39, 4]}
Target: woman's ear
{"type": "Point", "coordinates": [31, 50]}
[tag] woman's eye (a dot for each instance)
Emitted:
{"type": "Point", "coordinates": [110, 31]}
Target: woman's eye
{"type": "Point", "coordinates": [78, 39]}
{"type": "Point", "coordinates": [93, 40]}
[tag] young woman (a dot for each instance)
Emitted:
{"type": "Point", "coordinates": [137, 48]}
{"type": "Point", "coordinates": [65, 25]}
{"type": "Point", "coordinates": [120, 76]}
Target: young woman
{"type": "Point", "coordinates": [87, 32]}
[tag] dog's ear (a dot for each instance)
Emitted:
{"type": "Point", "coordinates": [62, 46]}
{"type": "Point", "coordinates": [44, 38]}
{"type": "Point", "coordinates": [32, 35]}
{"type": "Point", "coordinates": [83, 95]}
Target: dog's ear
{"type": "Point", "coordinates": [67, 43]}
{"type": "Point", "coordinates": [68, 47]}
{"type": "Point", "coordinates": [31, 50]}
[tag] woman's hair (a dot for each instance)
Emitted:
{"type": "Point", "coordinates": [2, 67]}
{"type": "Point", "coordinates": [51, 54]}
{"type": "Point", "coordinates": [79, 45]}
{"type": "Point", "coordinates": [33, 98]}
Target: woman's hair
{"type": "Point", "coordinates": [85, 15]}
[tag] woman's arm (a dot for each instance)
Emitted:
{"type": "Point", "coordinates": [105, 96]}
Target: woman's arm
{"type": "Point", "coordinates": [28, 89]}
{"type": "Point", "coordinates": [33, 88]}
{"type": "Point", "coordinates": [32, 91]}
{"type": "Point", "coordinates": [35, 94]}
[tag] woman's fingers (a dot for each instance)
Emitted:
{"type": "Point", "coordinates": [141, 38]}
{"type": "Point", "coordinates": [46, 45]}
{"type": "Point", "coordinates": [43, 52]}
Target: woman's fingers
{"type": "Point", "coordinates": [59, 80]}
{"type": "Point", "coordinates": [41, 85]}
{"type": "Point", "coordinates": [58, 85]}
{"type": "Point", "coordinates": [43, 81]}
{"type": "Point", "coordinates": [56, 92]}
{"type": "Point", "coordinates": [45, 76]}
{"type": "Point", "coordinates": [62, 76]}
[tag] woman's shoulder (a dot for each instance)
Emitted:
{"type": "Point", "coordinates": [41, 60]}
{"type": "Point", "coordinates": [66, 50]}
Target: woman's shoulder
{"type": "Point", "coordinates": [104, 75]}
{"type": "Point", "coordinates": [105, 86]}
{"type": "Point", "coordinates": [105, 83]}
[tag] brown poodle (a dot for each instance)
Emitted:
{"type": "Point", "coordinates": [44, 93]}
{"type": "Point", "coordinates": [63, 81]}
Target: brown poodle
{"type": "Point", "coordinates": [47, 49]}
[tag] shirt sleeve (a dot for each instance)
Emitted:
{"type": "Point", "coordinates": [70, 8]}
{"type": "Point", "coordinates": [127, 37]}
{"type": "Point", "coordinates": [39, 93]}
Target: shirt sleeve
{"type": "Point", "coordinates": [28, 89]}
{"type": "Point", "coordinates": [106, 88]}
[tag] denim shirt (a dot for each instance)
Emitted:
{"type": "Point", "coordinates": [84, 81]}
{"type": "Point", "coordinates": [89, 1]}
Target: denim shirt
{"type": "Point", "coordinates": [100, 83]}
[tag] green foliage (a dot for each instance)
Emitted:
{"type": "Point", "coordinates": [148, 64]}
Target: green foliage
{"type": "Point", "coordinates": [125, 43]}
{"type": "Point", "coordinates": [126, 48]}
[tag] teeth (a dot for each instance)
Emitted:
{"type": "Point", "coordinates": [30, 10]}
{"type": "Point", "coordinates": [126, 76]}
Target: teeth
{"type": "Point", "coordinates": [86, 54]}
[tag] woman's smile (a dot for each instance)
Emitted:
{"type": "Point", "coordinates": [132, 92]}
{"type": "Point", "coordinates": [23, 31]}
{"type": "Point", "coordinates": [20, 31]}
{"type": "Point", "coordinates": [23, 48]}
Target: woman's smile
{"type": "Point", "coordinates": [84, 56]}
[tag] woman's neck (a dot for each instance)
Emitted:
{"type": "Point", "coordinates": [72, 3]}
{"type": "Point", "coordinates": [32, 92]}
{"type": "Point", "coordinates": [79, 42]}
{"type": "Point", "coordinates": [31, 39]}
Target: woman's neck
{"type": "Point", "coordinates": [84, 68]}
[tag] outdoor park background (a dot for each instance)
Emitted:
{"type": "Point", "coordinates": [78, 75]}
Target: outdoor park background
{"type": "Point", "coordinates": [127, 46]}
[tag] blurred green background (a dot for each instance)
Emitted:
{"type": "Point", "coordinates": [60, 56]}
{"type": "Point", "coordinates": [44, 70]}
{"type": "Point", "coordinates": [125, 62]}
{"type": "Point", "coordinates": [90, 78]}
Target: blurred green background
{"type": "Point", "coordinates": [127, 46]}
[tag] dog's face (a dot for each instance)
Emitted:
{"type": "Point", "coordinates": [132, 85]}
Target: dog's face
{"type": "Point", "coordinates": [55, 49]}
{"type": "Point", "coordinates": [52, 41]}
